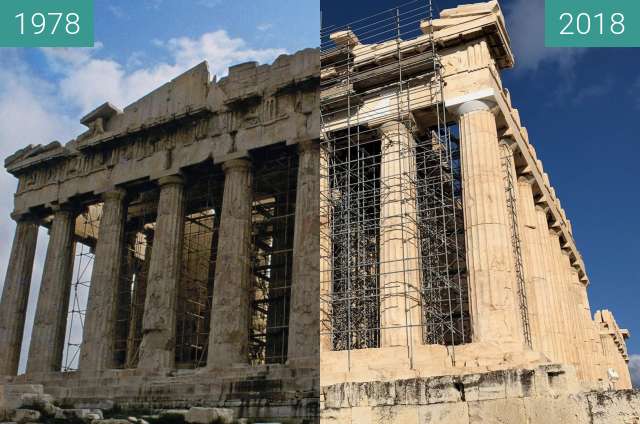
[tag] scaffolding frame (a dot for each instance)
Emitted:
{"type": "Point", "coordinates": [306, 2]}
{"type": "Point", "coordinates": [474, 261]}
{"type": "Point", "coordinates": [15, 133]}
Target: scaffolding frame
{"type": "Point", "coordinates": [510, 191]}
{"type": "Point", "coordinates": [200, 246]}
{"type": "Point", "coordinates": [430, 183]}
{"type": "Point", "coordinates": [275, 171]}
{"type": "Point", "coordinates": [138, 245]}
{"type": "Point", "coordinates": [88, 222]}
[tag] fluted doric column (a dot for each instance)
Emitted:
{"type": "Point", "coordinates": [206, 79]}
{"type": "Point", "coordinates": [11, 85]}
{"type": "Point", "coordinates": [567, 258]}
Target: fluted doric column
{"type": "Point", "coordinates": [400, 314]}
{"type": "Point", "coordinates": [304, 312]}
{"type": "Point", "coordinates": [560, 296]}
{"type": "Point", "coordinates": [571, 311]}
{"type": "Point", "coordinates": [591, 355]}
{"type": "Point", "coordinates": [47, 336]}
{"type": "Point", "coordinates": [15, 294]}
{"type": "Point", "coordinates": [326, 258]}
{"type": "Point", "coordinates": [495, 317]}
{"type": "Point", "coordinates": [552, 316]}
{"type": "Point", "coordinates": [580, 327]}
{"type": "Point", "coordinates": [518, 248]}
{"type": "Point", "coordinates": [98, 339]}
{"type": "Point", "coordinates": [535, 275]}
{"type": "Point", "coordinates": [231, 310]}
{"type": "Point", "coordinates": [157, 349]}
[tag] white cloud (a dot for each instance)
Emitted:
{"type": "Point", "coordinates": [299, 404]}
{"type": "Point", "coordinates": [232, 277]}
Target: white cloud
{"type": "Point", "coordinates": [634, 368]}
{"type": "Point", "coordinates": [35, 110]}
{"type": "Point", "coordinates": [88, 81]}
{"type": "Point", "coordinates": [264, 27]}
{"type": "Point", "coordinates": [525, 23]}
{"type": "Point", "coordinates": [30, 112]}
{"type": "Point", "coordinates": [117, 11]}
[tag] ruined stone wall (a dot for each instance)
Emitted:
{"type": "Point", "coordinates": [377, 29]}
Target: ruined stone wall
{"type": "Point", "coordinates": [533, 396]}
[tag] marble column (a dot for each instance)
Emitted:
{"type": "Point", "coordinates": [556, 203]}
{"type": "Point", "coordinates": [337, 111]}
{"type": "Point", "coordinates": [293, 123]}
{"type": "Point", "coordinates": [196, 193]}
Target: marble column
{"type": "Point", "coordinates": [583, 345]}
{"type": "Point", "coordinates": [571, 312]}
{"type": "Point", "coordinates": [560, 296]}
{"type": "Point", "coordinates": [591, 341]}
{"type": "Point", "coordinates": [157, 349]}
{"type": "Point", "coordinates": [304, 312]}
{"type": "Point", "coordinates": [15, 294]}
{"type": "Point", "coordinates": [553, 316]}
{"type": "Point", "coordinates": [98, 340]}
{"type": "Point", "coordinates": [231, 309]}
{"type": "Point", "coordinates": [326, 265]}
{"type": "Point", "coordinates": [514, 216]}
{"type": "Point", "coordinates": [134, 334]}
{"type": "Point", "coordinates": [534, 270]}
{"type": "Point", "coordinates": [495, 315]}
{"type": "Point", "coordinates": [400, 310]}
{"type": "Point", "coordinates": [49, 326]}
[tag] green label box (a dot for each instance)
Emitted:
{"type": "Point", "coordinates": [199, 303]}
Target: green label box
{"type": "Point", "coordinates": [46, 23]}
{"type": "Point", "coordinates": [592, 23]}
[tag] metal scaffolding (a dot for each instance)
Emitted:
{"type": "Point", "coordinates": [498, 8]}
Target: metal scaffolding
{"type": "Point", "coordinates": [273, 215]}
{"type": "Point", "coordinates": [203, 206]}
{"type": "Point", "coordinates": [508, 167]}
{"type": "Point", "coordinates": [86, 228]}
{"type": "Point", "coordinates": [138, 239]}
{"type": "Point", "coordinates": [362, 87]}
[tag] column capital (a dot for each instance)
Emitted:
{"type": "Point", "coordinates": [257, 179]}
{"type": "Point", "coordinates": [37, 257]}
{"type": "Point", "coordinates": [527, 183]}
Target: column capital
{"type": "Point", "coordinates": [68, 208]}
{"type": "Point", "coordinates": [483, 105]}
{"type": "Point", "coordinates": [526, 179]}
{"type": "Point", "coordinates": [541, 208]}
{"type": "Point", "coordinates": [116, 194]}
{"type": "Point", "coordinates": [510, 143]}
{"type": "Point", "coordinates": [24, 217]}
{"type": "Point", "coordinates": [236, 165]}
{"type": "Point", "coordinates": [175, 179]}
{"type": "Point", "coordinates": [391, 126]}
{"type": "Point", "coordinates": [481, 100]}
{"type": "Point", "coordinates": [311, 144]}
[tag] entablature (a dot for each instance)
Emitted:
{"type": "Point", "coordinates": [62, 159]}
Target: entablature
{"type": "Point", "coordinates": [190, 120]}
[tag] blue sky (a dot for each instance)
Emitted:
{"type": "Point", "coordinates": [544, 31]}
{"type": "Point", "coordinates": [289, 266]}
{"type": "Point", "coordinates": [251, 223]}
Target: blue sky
{"type": "Point", "coordinates": [581, 108]}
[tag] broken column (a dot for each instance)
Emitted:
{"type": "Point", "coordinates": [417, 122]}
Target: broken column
{"type": "Point", "coordinates": [47, 336]}
{"type": "Point", "coordinates": [400, 313]}
{"type": "Point", "coordinates": [492, 281]}
{"type": "Point", "coordinates": [157, 349]}
{"type": "Point", "coordinates": [15, 293]}
{"type": "Point", "coordinates": [305, 307]}
{"type": "Point", "coordinates": [98, 341]}
{"type": "Point", "coordinates": [231, 309]}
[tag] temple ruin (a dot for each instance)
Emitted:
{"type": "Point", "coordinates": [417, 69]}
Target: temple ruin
{"type": "Point", "coordinates": [362, 234]}
{"type": "Point", "coordinates": [449, 271]}
{"type": "Point", "coordinates": [195, 211]}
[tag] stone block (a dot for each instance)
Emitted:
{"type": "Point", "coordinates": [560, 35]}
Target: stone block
{"type": "Point", "coordinates": [563, 409]}
{"type": "Point", "coordinates": [449, 413]}
{"type": "Point", "coordinates": [395, 414]}
{"type": "Point", "coordinates": [622, 406]}
{"type": "Point", "coordinates": [198, 415]}
{"type": "Point", "coordinates": [39, 402]}
{"type": "Point", "coordinates": [11, 394]}
{"type": "Point", "coordinates": [361, 415]}
{"type": "Point", "coordinates": [102, 404]}
{"type": "Point", "coordinates": [26, 415]}
{"type": "Point", "coordinates": [497, 411]}
{"type": "Point", "coordinates": [442, 389]}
